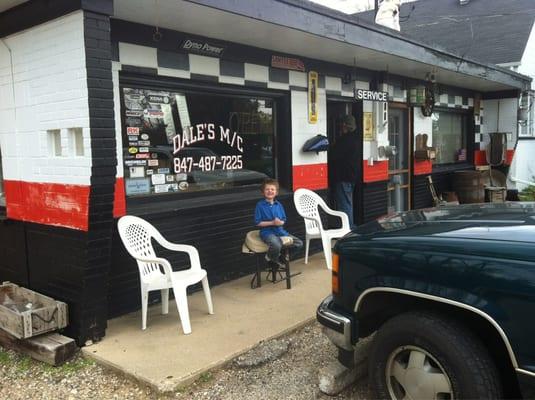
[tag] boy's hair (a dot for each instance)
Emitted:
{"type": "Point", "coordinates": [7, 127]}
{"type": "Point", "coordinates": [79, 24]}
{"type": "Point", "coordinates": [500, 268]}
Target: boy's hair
{"type": "Point", "coordinates": [269, 181]}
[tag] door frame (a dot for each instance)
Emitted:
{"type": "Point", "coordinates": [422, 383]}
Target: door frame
{"type": "Point", "coordinates": [408, 126]}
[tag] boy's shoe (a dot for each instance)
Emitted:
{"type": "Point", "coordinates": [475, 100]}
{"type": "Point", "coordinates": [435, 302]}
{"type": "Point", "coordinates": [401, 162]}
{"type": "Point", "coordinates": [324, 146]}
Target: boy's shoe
{"type": "Point", "coordinates": [278, 263]}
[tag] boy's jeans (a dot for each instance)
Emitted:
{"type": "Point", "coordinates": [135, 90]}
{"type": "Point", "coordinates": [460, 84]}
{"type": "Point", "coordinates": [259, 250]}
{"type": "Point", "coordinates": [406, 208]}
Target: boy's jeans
{"type": "Point", "coordinates": [343, 195]}
{"type": "Point", "coordinates": [275, 245]}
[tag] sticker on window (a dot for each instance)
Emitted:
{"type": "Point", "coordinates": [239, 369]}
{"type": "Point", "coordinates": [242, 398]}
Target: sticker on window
{"type": "Point", "coordinates": [137, 186]}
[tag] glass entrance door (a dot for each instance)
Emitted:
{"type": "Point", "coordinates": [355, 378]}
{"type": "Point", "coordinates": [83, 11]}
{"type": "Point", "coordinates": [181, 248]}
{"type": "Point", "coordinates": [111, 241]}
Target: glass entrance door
{"type": "Point", "coordinates": [398, 164]}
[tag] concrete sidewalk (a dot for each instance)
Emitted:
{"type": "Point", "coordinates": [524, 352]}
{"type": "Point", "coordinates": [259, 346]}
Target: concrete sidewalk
{"type": "Point", "coordinates": [164, 358]}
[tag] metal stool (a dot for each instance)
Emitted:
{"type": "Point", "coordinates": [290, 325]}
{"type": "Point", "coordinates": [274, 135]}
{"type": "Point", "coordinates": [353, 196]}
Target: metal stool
{"type": "Point", "coordinates": [254, 245]}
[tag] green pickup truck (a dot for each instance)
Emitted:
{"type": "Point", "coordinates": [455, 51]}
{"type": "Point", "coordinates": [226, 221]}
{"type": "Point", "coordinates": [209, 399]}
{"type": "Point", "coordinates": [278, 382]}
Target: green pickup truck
{"type": "Point", "coordinates": [449, 294]}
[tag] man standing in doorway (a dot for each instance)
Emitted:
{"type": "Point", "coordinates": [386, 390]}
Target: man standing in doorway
{"type": "Point", "coordinates": [346, 164]}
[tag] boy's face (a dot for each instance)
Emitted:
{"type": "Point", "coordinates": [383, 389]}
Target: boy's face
{"type": "Point", "coordinates": [270, 192]}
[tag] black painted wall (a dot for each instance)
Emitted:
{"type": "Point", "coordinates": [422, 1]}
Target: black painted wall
{"type": "Point", "coordinates": [13, 263]}
{"type": "Point", "coordinates": [375, 201]}
{"type": "Point", "coordinates": [216, 231]}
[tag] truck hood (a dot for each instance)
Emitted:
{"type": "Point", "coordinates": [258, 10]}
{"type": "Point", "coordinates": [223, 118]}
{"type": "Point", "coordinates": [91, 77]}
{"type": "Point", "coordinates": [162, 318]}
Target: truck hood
{"type": "Point", "coordinates": [506, 222]}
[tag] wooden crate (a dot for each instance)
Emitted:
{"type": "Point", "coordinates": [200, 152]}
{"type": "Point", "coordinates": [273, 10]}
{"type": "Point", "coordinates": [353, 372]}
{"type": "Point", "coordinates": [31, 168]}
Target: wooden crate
{"type": "Point", "coordinates": [25, 313]}
{"type": "Point", "coordinates": [495, 194]}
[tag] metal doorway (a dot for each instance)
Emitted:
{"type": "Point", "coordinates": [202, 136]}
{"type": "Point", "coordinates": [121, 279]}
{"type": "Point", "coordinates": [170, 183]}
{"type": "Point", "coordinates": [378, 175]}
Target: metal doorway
{"type": "Point", "coordinates": [398, 165]}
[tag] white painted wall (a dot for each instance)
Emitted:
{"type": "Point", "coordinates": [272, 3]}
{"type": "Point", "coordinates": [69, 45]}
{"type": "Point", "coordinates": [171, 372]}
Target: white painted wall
{"type": "Point", "coordinates": [523, 166]}
{"type": "Point", "coordinates": [43, 86]}
{"type": "Point", "coordinates": [500, 116]}
{"type": "Point", "coordinates": [422, 124]}
{"type": "Point", "coordinates": [302, 130]}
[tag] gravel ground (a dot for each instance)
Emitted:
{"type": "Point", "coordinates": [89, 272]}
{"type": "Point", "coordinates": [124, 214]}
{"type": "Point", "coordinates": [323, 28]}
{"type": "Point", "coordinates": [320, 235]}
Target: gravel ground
{"type": "Point", "coordinates": [290, 372]}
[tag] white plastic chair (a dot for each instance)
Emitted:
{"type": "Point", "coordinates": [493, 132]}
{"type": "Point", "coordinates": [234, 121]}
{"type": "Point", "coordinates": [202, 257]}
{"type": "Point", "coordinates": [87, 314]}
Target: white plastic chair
{"type": "Point", "coordinates": [136, 235]}
{"type": "Point", "coordinates": [307, 204]}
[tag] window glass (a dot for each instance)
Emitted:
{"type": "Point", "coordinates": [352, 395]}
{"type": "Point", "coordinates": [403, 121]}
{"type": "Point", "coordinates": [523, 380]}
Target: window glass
{"type": "Point", "coordinates": [449, 137]}
{"type": "Point", "coordinates": [184, 142]}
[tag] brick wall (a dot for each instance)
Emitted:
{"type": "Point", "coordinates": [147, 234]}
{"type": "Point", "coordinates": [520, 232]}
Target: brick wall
{"type": "Point", "coordinates": [44, 135]}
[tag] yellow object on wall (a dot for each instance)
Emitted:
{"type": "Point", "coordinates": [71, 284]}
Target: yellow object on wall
{"type": "Point", "coordinates": [368, 131]}
{"type": "Point", "coordinates": [312, 97]}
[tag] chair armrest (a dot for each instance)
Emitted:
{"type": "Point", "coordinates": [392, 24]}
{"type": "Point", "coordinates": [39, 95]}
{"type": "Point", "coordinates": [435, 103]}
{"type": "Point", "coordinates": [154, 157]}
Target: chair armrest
{"type": "Point", "coordinates": [157, 260]}
{"type": "Point", "coordinates": [342, 215]}
{"type": "Point", "coordinates": [184, 248]}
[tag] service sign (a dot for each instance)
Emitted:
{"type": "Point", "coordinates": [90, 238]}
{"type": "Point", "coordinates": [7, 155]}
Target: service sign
{"type": "Point", "coordinates": [370, 95]}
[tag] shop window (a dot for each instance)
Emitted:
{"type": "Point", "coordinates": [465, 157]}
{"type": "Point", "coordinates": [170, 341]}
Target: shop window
{"type": "Point", "coordinates": [450, 137]}
{"type": "Point", "coordinates": [190, 142]}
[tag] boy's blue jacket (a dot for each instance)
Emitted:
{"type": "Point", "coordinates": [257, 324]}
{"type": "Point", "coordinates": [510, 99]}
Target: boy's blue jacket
{"type": "Point", "coordinates": [265, 211]}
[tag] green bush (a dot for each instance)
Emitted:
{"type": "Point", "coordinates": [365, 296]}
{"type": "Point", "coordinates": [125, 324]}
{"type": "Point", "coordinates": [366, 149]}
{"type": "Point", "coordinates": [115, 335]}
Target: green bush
{"type": "Point", "coordinates": [528, 194]}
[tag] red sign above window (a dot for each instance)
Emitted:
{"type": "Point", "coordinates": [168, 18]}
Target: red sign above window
{"type": "Point", "coordinates": [287, 63]}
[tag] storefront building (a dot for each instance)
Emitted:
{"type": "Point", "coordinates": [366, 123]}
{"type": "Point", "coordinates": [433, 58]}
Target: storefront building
{"type": "Point", "coordinates": [177, 111]}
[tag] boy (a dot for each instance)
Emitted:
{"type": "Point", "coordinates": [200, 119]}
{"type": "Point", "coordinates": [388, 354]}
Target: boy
{"type": "Point", "coordinates": [270, 217]}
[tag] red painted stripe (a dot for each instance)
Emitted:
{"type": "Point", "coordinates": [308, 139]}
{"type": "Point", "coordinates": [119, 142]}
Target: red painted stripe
{"type": "Point", "coordinates": [509, 157]}
{"type": "Point", "coordinates": [119, 201]}
{"type": "Point", "coordinates": [310, 176]}
{"type": "Point", "coordinates": [48, 203]}
{"type": "Point", "coordinates": [376, 172]}
{"type": "Point", "coordinates": [424, 167]}
{"type": "Point", "coordinates": [480, 157]}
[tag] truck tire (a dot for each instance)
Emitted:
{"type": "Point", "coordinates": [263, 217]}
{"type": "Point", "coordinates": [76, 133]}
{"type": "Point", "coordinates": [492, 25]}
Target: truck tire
{"type": "Point", "coordinates": [420, 355]}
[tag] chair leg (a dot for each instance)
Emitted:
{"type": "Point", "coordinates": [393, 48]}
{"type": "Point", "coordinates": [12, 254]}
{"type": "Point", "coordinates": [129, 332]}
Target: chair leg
{"type": "Point", "coordinates": [181, 300]}
{"type": "Point", "coordinates": [144, 304]}
{"type": "Point", "coordinates": [307, 246]}
{"type": "Point", "coordinates": [165, 300]}
{"type": "Point", "coordinates": [327, 251]}
{"type": "Point", "coordinates": [207, 295]}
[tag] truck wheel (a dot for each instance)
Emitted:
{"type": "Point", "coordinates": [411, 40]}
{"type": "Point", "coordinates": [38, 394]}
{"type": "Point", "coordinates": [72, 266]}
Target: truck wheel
{"type": "Point", "coordinates": [420, 355]}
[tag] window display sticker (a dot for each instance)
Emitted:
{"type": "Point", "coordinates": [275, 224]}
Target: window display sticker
{"type": "Point", "coordinates": [142, 155]}
{"type": "Point", "coordinates": [171, 187]}
{"type": "Point", "coordinates": [163, 170]}
{"type": "Point", "coordinates": [169, 178]}
{"type": "Point", "coordinates": [135, 162]}
{"type": "Point", "coordinates": [150, 172]}
{"type": "Point", "coordinates": [153, 163]}
{"type": "Point", "coordinates": [137, 186]}
{"type": "Point", "coordinates": [131, 130]}
{"type": "Point", "coordinates": [132, 150]}
{"type": "Point", "coordinates": [143, 149]}
{"type": "Point", "coordinates": [158, 179]}
{"type": "Point", "coordinates": [183, 185]}
{"type": "Point", "coordinates": [154, 155]}
{"type": "Point", "coordinates": [132, 137]}
{"type": "Point", "coordinates": [183, 113]}
{"type": "Point", "coordinates": [130, 113]}
{"type": "Point", "coordinates": [144, 143]}
{"type": "Point", "coordinates": [168, 121]}
{"type": "Point", "coordinates": [144, 136]}
{"type": "Point", "coordinates": [137, 172]}
{"type": "Point", "coordinates": [181, 177]}
{"type": "Point", "coordinates": [132, 143]}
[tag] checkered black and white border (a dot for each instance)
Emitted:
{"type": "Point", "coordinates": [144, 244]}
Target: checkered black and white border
{"type": "Point", "coordinates": [136, 58]}
{"type": "Point", "coordinates": [451, 101]}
